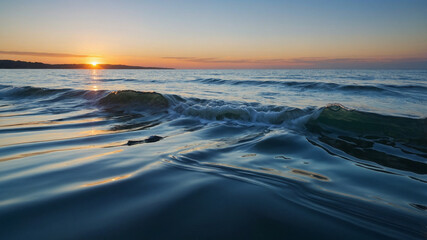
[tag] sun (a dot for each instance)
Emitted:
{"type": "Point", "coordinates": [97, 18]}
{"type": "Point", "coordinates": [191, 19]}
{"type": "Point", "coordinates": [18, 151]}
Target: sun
{"type": "Point", "coordinates": [94, 64]}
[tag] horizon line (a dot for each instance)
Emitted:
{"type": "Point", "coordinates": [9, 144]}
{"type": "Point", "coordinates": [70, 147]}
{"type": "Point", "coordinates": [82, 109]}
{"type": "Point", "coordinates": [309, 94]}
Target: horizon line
{"type": "Point", "coordinates": [418, 64]}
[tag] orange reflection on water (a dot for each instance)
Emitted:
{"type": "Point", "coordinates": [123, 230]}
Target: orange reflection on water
{"type": "Point", "coordinates": [113, 179]}
{"type": "Point", "coordinates": [46, 137]}
{"type": "Point", "coordinates": [94, 80]}
{"type": "Point", "coordinates": [93, 131]}
{"type": "Point", "coordinates": [23, 155]}
{"type": "Point", "coordinates": [94, 72]}
{"type": "Point", "coordinates": [106, 181]}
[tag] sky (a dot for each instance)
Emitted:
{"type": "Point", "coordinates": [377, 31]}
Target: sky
{"type": "Point", "coordinates": [218, 34]}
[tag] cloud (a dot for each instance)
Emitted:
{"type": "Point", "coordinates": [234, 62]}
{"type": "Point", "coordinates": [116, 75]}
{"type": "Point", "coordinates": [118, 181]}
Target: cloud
{"type": "Point", "coordinates": [369, 63]}
{"type": "Point", "coordinates": [193, 59]}
{"type": "Point", "coordinates": [44, 54]}
{"type": "Point", "coordinates": [315, 62]}
{"type": "Point", "coordinates": [220, 60]}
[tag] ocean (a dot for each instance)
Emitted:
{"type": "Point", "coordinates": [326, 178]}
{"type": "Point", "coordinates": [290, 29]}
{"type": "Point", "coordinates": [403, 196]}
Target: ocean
{"type": "Point", "coordinates": [213, 154]}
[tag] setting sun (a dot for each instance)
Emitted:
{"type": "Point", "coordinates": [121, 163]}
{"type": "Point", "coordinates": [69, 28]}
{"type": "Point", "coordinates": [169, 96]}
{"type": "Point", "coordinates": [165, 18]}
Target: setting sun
{"type": "Point", "coordinates": [94, 64]}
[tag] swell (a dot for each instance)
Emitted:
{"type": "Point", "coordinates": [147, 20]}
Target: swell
{"type": "Point", "coordinates": [346, 207]}
{"type": "Point", "coordinates": [332, 118]}
{"type": "Point", "coordinates": [45, 94]}
{"type": "Point", "coordinates": [102, 98]}
{"type": "Point", "coordinates": [310, 85]}
{"type": "Point", "coordinates": [28, 92]}
{"type": "Point", "coordinates": [338, 117]}
{"type": "Point", "coordinates": [394, 142]}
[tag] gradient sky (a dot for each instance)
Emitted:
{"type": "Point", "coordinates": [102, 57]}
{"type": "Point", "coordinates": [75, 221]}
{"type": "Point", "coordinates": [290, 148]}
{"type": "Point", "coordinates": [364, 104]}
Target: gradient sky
{"type": "Point", "coordinates": [218, 34]}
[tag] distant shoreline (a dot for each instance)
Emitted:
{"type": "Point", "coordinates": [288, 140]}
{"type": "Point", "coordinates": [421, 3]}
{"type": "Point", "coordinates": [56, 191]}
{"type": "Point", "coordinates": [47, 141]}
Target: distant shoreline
{"type": "Point", "coordinates": [11, 64]}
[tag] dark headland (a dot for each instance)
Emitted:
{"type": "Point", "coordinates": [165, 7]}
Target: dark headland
{"type": "Point", "coordinates": [10, 64]}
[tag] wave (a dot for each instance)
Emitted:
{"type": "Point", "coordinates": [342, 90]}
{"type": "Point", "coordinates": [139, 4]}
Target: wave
{"type": "Point", "coordinates": [103, 98]}
{"type": "Point", "coordinates": [131, 98]}
{"type": "Point", "coordinates": [28, 91]}
{"type": "Point", "coordinates": [243, 113]}
{"type": "Point", "coordinates": [303, 85]}
{"type": "Point", "coordinates": [372, 137]}
{"type": "Point", "coordinates": [405, 87]}
{"type": "Point", "coordinates": [12, 92]}
{"type": "Point", "coordinates": [333, 117]}
{"type": "Point", "coordinates": [338, 117]}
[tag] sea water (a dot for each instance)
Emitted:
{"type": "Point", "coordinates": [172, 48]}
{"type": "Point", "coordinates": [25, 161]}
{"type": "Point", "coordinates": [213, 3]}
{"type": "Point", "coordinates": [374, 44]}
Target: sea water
{"type": "Point", "coordinates": [211, 154]}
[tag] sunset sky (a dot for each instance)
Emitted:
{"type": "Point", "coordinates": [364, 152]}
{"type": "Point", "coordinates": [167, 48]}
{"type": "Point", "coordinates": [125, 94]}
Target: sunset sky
{"type": "Point", "coordinates": [218, 34]}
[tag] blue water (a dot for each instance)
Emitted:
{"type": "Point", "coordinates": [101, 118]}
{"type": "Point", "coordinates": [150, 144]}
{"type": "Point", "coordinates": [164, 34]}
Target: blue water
{"type": "Point", "coordinates": [209, 154]}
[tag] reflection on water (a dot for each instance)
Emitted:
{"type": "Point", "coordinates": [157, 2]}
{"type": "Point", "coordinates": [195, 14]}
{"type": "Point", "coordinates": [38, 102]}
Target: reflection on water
{"type": "Point", "coordinates": [100, 154]}
{"type": "Point", "coordinates": [312, 175]}
{"type": "Point", "coordinates": [82, 160]}
{"type": "Point", "coordinates": [23, 155]}
{"type": "Point", "coordinates": [106, 181]}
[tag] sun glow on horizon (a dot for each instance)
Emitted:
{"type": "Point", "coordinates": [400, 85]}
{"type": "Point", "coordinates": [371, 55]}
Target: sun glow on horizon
{"type": "Point", "coordinates": [94, 64]}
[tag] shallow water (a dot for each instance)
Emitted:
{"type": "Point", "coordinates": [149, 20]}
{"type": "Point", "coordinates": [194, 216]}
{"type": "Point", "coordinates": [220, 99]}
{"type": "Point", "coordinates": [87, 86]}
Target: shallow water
{"type": "Point", "coordinates": [248, 154]}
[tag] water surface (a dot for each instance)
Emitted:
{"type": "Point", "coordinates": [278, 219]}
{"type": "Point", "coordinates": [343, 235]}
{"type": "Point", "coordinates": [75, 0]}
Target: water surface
{"type": "Point", "coordinates": [250, 154]}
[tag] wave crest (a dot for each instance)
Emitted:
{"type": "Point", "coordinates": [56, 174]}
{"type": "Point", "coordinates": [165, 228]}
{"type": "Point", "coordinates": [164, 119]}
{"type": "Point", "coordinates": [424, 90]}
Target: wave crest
{"type": "Point", "coordinates": [131, 98]}
{"type": "Point", "coordinates": [338, 117]}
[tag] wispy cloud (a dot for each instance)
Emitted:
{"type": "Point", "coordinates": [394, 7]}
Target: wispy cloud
{"type": "Point", "coordinates": [45, 54]}
{"type": "Point", "coordinates": [313, 62]}
{"type": "Point", "coordinates": [224, 60]}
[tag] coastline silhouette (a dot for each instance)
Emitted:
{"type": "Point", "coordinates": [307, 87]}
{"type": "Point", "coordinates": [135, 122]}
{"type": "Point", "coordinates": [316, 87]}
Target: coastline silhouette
{"type": "Point", "coordinates": [11, 64]}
